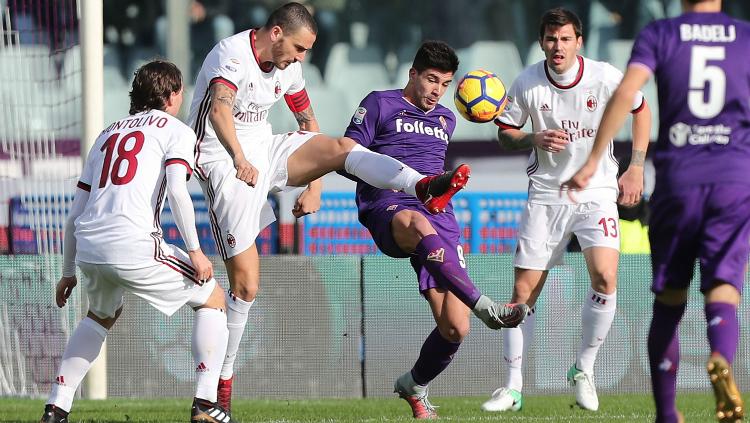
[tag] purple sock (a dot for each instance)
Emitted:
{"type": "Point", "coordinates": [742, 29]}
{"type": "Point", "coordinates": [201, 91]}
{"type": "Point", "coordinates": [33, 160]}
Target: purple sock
{"type": "Point", "coordinates": [436, 354]}
{"type": "Point", "coordinates": [723, 329]}
{"type": "Point", "coordinates": [664, 359]}
{"type": "Point", "coordinates": [441, 260]}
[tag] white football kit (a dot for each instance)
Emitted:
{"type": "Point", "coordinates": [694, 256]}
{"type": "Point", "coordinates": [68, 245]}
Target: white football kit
{"type": "Point", "coordinates": [239, 212]}
{"type": "Point", "coordinates": [118, 237]}
{"type": "Point", "coordinates": [573, 102]}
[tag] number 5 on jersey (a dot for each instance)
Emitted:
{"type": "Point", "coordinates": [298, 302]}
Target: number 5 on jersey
{"type": "Point", "coordinates": [126, 152]}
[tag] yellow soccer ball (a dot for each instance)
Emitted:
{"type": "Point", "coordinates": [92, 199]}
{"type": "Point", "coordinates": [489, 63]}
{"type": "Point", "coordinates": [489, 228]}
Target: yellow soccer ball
{"type": "Point", "coordinates": [480, 96]}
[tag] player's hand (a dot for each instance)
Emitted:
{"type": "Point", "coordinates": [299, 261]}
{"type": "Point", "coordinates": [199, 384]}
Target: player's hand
{"type": "Point", "coordinates": [631, 187]}
{"type": "Point", "coordinates": [579, 181]}
{"type": "Point", "coordinates": [246, 172]}
{"type": "Point", "coordinates": [551, 140]}
{"type": "Point", "coordinates": [308, 202]}
{"type": "Point", "coordinates": [204, 269]}
{"type": "Point", "coordinates": [64, 289]}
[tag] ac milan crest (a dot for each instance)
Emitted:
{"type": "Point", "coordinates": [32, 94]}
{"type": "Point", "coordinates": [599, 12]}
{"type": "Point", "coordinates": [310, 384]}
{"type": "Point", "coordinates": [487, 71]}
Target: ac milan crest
{"type": "Point", "coordinates": [277, 89]}
{"type": "Point", "coordinates": [591, 103]}
{"type": "Point", "coordinates": [231, 241]}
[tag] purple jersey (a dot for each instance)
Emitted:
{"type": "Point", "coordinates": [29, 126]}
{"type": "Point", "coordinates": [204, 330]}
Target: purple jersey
{"type": "Point", "coordinates": [388, 124]}
{"type": "Point", "coordinates": [700, 61]}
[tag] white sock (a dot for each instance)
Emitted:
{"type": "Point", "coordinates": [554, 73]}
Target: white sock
{"type": "Point", "coordinates": [209, 345]}
{"type": "Point", "coordinates": [82, 349]}
{"type": "Point", "coordinates": [237, 310]}
{"type": "Point", "coordinates": [516, 342]}
{"type": "Point", "coordinates": [596, 318]}
{"type": "Point", "coordinates": [381, 171]}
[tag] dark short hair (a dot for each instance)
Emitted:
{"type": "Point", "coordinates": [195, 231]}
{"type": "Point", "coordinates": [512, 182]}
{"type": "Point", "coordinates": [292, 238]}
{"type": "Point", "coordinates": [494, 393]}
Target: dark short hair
{"type": "Point", "coordinates": [291, 17]}
{"type": "Point", "coordinates": [154, 82]}
{"type": "Point", "coordinates": [435, 55]}
{"type": "Point", "coordinates": [560, 17]}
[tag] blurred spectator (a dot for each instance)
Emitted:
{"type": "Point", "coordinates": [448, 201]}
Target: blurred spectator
{"type": "Point", "coordinates": [50, 22]}
{"type": "Point", "coordinates": [128, 30]}
{"type": "Point", "coordinates": [209, 23]}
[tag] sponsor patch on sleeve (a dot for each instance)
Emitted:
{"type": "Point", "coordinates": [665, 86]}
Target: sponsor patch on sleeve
{"type": "Point", "coordinates": [359, 115]}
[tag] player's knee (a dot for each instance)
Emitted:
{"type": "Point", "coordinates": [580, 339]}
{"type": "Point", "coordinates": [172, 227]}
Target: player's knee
{"type": "Point", "coordinates": [105, 322]}
{"type": "Point", "coordinates": [216, 299]}
{"type": "Point", "coordinates": [672, 297]}
{"type": "Point", "coordinates": [245, 288]}
{"type": "Point", "coordinates": [342, 146]}
{"type": "Point", "coordinates": [454, 331]}
{"type": "Point", "coordinates": [604, 281]}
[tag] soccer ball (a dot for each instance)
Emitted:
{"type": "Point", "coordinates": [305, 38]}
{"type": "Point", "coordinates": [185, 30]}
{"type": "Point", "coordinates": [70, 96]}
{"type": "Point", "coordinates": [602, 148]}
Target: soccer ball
{"type": "Point", "coordinates": [480, 96]}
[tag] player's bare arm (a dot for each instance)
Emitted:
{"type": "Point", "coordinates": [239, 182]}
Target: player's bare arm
{"type": "Point", "coordinates": [631, 182]}
{"type": "Point", "coordinates": [614, 115]}
{"type": "Point", "coordinates": [309, 200]}
{"type": "Point", "coordinates": [551, 140]}
{"type": "Point", "coordinates": [222, 120]}
{"type": "Point", "coordinates": [306, 120]}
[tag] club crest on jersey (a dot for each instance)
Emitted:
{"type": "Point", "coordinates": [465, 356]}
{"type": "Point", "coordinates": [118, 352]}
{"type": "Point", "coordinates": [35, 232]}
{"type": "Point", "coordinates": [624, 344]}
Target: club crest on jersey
{"type": "Point", "coordinates": [443, 123]}
{"type": "Point", "coordinates": [591, 103]}
{"type": "Point", "coordinates": [277, 89]}
{"type": "Point", "coordinates": [231, 241]}
{"type": "Point", "coordinates": [437, 255]}
{"type": "Point", "coordinates": [359, 115]}
{"type": "Point", "coordinates": [252, 87]}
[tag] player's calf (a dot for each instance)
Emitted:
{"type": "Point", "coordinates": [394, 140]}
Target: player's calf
{"type": "Point", "coordinates": [436, 191]}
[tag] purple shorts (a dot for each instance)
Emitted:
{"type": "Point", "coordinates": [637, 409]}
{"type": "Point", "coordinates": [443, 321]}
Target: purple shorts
{"type": "Point", "coordinates": [707, 222]}
{"type": "Point", "coordinates": [378, 219]}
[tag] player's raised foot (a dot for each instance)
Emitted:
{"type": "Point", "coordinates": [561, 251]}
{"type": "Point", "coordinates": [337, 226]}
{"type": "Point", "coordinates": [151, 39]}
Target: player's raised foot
{"type": "Point", "coordinates": [729, 406]}
{"type": "Point", "coordinates": [583, 383]}
{"type": "Point", "coordinates": [224, 393]}
{"type": "Point", "coordinates": [504, 399]}
{"type": "Point", "coordinates": [498, 315]}
{"type": "Point", "coordinates": [53, 414]}
{"type": "Point", "coordinates": [204, 411]}
{"type": "Point", "coordinates": [436, 191]}
{"type": "Point", "coordinates": [416, 396]}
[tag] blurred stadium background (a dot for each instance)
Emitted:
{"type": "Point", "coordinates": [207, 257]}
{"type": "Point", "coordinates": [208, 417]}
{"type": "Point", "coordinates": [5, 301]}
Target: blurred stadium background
{"type": "Point", "coordinates": [333, 317]}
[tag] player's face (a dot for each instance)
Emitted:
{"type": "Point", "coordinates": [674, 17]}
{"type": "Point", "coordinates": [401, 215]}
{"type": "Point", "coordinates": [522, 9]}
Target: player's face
{"type": "Point", "coordinates": [288, 48]}
{"type": "Point", "coordinates": [561, 46]}
{"type": "Point", "coordinates": [428, 87]}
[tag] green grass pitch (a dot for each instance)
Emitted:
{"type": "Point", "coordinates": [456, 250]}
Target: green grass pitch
{"type": "Point", "coordinates": [619, 408]}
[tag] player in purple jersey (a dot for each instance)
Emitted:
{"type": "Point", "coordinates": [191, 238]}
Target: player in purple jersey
{"type": "Point", "coordinates": [412, 127]}
{"type": "Point", "coordinates": [701, 202]}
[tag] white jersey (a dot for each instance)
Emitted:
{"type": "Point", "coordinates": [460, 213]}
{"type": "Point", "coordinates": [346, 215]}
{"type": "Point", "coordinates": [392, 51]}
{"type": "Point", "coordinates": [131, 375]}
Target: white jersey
{"type": "Point", "coordinates": [576, 108]}
{"type": "Point", "coordinates": [234, 62]}
{"type": "Point", "coordinates": [125, 174]}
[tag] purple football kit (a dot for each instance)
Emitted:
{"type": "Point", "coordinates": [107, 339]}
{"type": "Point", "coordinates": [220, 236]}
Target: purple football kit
{"type": "Point", "coordinates": [388, 124]}
{"type": "Point", "coordinates": [701, 202]}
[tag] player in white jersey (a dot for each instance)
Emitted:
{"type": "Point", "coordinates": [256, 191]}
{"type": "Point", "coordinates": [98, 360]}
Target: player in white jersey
{"type": "Point", "coordinates": [113, 234]}
{"type": "Point", "coordinates": [564, 96]}
{"type": "Point", "coordinates": [239, 159]}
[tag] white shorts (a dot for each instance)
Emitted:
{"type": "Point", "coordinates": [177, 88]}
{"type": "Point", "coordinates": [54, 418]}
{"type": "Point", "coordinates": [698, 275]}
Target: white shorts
{"type": "Point", "coordinates": [546, 230]}
{"type": "Point", "coordinates": [167, 283]}
{"type": "Point", "coordinates": [238, 212]}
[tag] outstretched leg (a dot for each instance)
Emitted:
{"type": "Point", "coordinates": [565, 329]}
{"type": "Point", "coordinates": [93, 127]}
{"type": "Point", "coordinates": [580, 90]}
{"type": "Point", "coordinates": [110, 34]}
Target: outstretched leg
{"type": "Point", "coordinates": [322, 154]}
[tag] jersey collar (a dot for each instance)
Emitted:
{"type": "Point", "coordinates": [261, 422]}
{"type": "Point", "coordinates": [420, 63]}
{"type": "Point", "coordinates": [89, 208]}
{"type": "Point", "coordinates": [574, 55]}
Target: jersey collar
{"type": "Point", "coordinates": [265, 69]}
{"type": "Point", "coordinates": [575, 82]}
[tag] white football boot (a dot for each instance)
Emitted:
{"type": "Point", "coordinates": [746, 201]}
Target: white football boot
{"type": "Point", "coordinates": [504, 399]}
{"type": "Point", "coordinates": [586, 397]}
